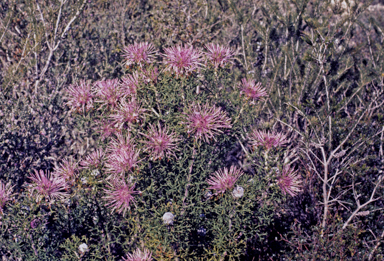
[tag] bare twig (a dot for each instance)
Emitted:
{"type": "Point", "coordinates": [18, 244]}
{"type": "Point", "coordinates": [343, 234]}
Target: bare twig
{"type": "Point", "coordinates": [361, 206]}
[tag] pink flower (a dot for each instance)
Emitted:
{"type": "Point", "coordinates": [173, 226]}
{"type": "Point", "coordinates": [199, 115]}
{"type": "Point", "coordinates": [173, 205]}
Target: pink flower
{"type": "Point", "coordinates": [122, 156]}
{"type": "Point", "coordinates": [252, 90]}
{"type": "Point", "coordinates": [161, 143]}
{"type": "Point", "coordinates": [108, 92]}
{"type": "Point", "coordinates": [267, 139]}
{"type": "Point", "coordinates": [106, 129]}
{"type": "Point", "coordinates": [47, 186]}
{"type": "Point", "coordinates": [80, 98]}
{"type": "Point", "coordinates": [119, 195]}
{"type": "Point", "coordinates": [67, 169]}
{"type": "Point", "coordinates": [129, 84]}
{"type": "Point", "coordinates": [289, 181]}
{"type": "Point", "coordinates": [5, 194]}
{"type": "Point", "coordinates": [139, 255]}
{"type": "Point", "coordinates": [93, 160]}
{"type": "Point", "coordinates": [127, 113]}
{"type": "Point", "coordinates": [150, 75]}
{"type": "Point", "coordinates": [219, 55]}
{"type": "Point", "coordinates": [182, 60]}
{"type": "Point", "coordinates": [206, 121]}
{"type": "Point", "coordinates": [139, 53]}
{"type": "Point", "coordinates": [224, 179]}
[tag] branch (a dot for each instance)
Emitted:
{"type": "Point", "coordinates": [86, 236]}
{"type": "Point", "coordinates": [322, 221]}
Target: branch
{"type": "Point", "coordinates": [376, 246]}
{"type": "Point", "coordinates": [360, 207]}
{"type": "Point", "coordinates": [56, 45]}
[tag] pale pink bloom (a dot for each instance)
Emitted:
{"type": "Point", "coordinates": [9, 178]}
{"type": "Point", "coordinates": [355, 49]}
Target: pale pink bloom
{"type": "Point", "coordinates": [108, 92]}
{"type": "Point", "coordinates": [119, 195]}
{"type": "Point", "coordinates": [224, 179]}
{"type": "Point", "coordinates": [127, 113]}
{"type": "Point", "coordinates": [80, 97]}
{"type": "Point", "coordinates": [129, 84]}
{"type": "Point", "coordinates": [93, 160]}
{"type": "Point", "coordinates": [66, 169]}
{"type": "Point", "coordinates": [150, 75]}
{"type": "Point", "coordinates": [267, 139]}
{"type": "Point", "coordinates": [205, 121]}
{"type": "Point", "coordinates": [252, 90]}
{"type": "Point", "coordinates": [161, 143]}
{"type": "Point", "coordinates": [107, 129]}
{"type": "Point", "coordinates": [289, 181]}
{"type": "Point", "coordinates": [123, 156]}
{"type": "Point", "coordinates": [140, 53]}
{"type": "Point", "coordinates": [5, 194]}
{"type": "Point", "coordinates": [139, 255]}
{"type": "Point", "coordinates": [182, 60]}
{"type": "Point", "coordinates": [47, 186]}
{"type": "Point", "coordinates": [219, 55]}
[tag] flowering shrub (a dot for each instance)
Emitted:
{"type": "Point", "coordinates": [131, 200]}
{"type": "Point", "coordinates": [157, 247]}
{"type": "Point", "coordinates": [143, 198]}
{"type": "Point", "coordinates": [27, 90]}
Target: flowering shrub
{"type": "Point", "coordinates": [155, 172]}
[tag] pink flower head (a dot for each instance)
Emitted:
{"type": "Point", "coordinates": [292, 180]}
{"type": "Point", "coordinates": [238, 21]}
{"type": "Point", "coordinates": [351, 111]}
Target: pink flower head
{"type": "Point", "coordinates": [289, 181]}
{"type": "Point", "coordinates": [129, 84]}
{"type": "Point", "coordinates": [127, 113]}
{"type": "Point", "coordinates": [252, 90]}
{"type": "Point", "coordinates": [122, 156]}
{"type": "Point", "coordinates": [150, 75]}
{"type": "Point", "coordinates": [267, 139]}
{"type": "Point", "coordinates": [139, 255]}
{"type": "Point", "coordinates": [161, 143]}
{"type": "Point", "coordinates": [108, 92]}
{"type": "Point", "coordinates": [93, 160]}
{"type": "Point", "coordinates": [182, 60]}
{"type": "Point", "coordinates": [119, 194]}
{"type": "Point", "coordinates": [106, 129]}
{"type": "Point", "coordinates": [5, 194]}
{"type": "Point", "coordinates": [205, 121]}
{"type": "Point", "coordinates": [219, 55]}
{"type": "Point", "coordinates": [47, 186]}
{"type": "Point", "coordinates": [66, 169]}
{"type": "Point", "coordinates": [140, 53]}
{"type": "Point", "coordinates": [80, 97]}
{"type": "Point", "coordinates": [224, 179]}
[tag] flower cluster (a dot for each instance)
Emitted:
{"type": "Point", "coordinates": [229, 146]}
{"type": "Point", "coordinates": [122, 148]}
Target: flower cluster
{"type": "Point", "coordinates": [119, 194]}
{"type": "Point", "coordinates": [45, 185]}
{"type": "Point", "coordinates": [160, 142]}
{"type": "Point", "coordinates": [129, 84]}
{"type": "Point", "coordinates": [127, 113]}
{"type": "Point", "coordinates": [139, 53]}
{"type": "Point", "coordinates": [150, 75]}
{"type": "Point", "coordinates": [267, 139]}
{"type": "Point", "coordinates": [139, 255]}
{"type": "Point", "coordinates": [182, 60]}
{"type": "Point", "coordinates": [219, 55]}
{"type": "Point", "coordinates": [205, 121]}
{"type": "Point", "coordinates": [66, 169]}
{"type": "Point", "coordinates": [122, 155]}
{"type": "Point", "coordinates": [224, 179]}
{"type": "Point", "coordinates": [289, 181]}
{"type": "Point", "coordinates": [108, 93]}
{"type": "Point", "coordinates": [252, 90]}
{"type": "Point", "coordinates": [93, 160]}
{"type": "Point", "coordinates": [80, 97]}
{"type": "Point", "coordinates": [106, 128]}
